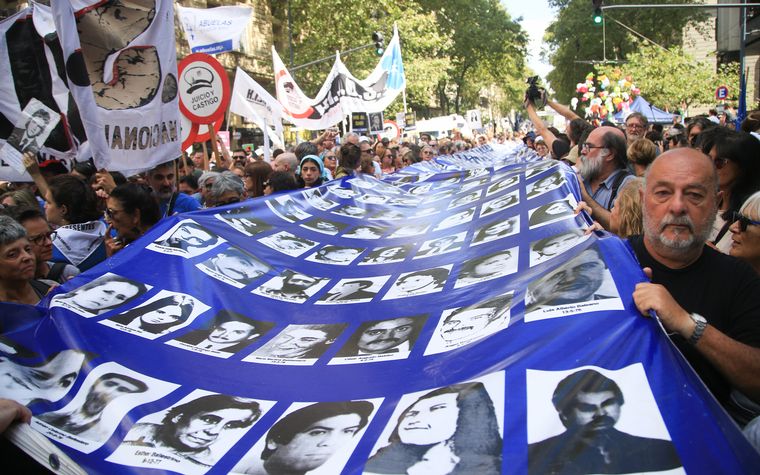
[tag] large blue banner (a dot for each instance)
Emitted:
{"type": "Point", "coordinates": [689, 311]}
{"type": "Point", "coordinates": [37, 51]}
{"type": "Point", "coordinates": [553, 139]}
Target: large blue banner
{"type": "Point", "coordinates": [452, 318]}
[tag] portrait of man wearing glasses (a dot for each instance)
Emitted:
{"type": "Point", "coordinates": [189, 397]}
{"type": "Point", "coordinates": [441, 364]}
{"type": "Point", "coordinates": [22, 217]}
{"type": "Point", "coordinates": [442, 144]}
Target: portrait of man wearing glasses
{"type": "Point", "coordinates": [187, 239]}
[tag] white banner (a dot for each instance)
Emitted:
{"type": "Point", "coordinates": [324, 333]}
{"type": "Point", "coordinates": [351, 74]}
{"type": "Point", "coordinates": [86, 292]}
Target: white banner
{"type": "Point", "coordinates": [27, 46]}
{"type": "Point", "coordinates": [341, 93]}
{"type": "Point", "coordinates": [122, 69]}
{"type": "Point", "coordinates": [214, 30]}
{"type": "Point", "coordinates": [253, 102]}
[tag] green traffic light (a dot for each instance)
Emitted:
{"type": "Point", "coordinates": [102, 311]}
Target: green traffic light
{"type": "Point", "coordinates": [597, 19]}
{"type": "Point", "coordinates": [379, 51]}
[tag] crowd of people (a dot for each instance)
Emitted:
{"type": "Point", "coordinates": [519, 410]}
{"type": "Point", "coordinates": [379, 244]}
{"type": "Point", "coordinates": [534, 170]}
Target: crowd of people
{"type": "Point", "coordinates": [687, 198]}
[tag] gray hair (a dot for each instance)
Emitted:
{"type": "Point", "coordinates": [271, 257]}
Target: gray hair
{"type": "Point", "coordinates": [205, 176]}
{"type": "Point", "coordinates": [352, 134]}
{"type": "Point", "coordinates": [226, 181]}
{"type": "Point", "coordinates": [10, 230]}
{"type": "Point", "coordinates": [751, 207]}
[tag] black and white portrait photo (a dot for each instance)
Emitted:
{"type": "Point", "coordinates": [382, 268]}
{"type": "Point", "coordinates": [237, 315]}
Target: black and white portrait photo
{"type": "Point", "coordinates": [499, 204]}
{"type": "Point", "coordinates": [286, 208]}
{"type": "Point", "coordinates": [387, 215]}
{"type": "Point", "coordinates": [544, 184]}
{"type": "Point", "coordinates": [354, 290]}
{"type": "Point", "coordinates": [497, 230]}
{"type": "Point", "coordinates": [298, 344]}
{"type": "Point", "coordinates": [288, 243]}
{"type": "Point", "coordinates": [234, 266]}
{"type": "Point", "coordinates": [190, 436]}
{"type": "Point", "coordinates": [325, 226]}
{"type": "Point", "coordinates": [592, 420]}
{"type": "Point", "coordinates": [247, 225]}
{"type": "Point", "coordinates": [421, 282]}
{"type": "Point", "coordinates": [454, 429]}
{"type": "Point", "coordinates": [381, 339]}
{"type": "Point", "coordinates": [186, 239]}
{"type": "Point", "coordinates": [46, 380]}
{"type": "Point", "coordinates": [375, 199]}
{"type": "Point", "coordinates": [340, 192]}
{"type": "Point", "coordinates": [552, 212]}
{"type": "Point", "coordinates": [583, 279]}
{"type": "Point", "coordinates": [386, 255]}
{"type": "Point", "coordinates": [409, 230]}
{"type": "Point", "coordinates": [228, 333]}
{"type": "Point", "coordinates": [546, 248]}
{"type": "Point", "coordinates": [441, 245]}
{"type": "Point", "coordinates": [101, 295]}
{"type": "Point", "coordinates": [350, 211]}
{"type": "Point", "coordinates": [310, 438]}
{"type": "Point", "coordinates": [502, 182]}
{"type": "Point", "coordinates": [32, 128]}
{"type": "Point", "coordinates": [375, 123]}
{"type": "Point", "coordinates": [455, 219]}
{"type": "Point", "coordinates": [488, 267]}
{"type": "Point", "coordinates": [291, 286]}
{"type": "Point", "coordinates": [540, 166]}
{"type": "Point", "coordinates": [108, 392]}
{"type": "Point", "coordinates": [462, 326]}
{"type": "Point", "coordinates": [316, 198]}
{"type": "Point", "coordinates": [366, 232]}
{"type": "Point", "coordinates": [465, 199]}
{"type": "Point", "coordinates": [166, 311]}
{"type": "Point", "coordinates": [335, 255]}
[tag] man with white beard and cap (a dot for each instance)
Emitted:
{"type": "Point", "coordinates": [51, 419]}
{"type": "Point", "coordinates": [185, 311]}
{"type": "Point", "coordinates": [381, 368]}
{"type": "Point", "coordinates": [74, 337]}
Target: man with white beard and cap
{"type": "Point", "coordinates": [603, 166]}
{"type": "Point", "coordinates": [707, 301]}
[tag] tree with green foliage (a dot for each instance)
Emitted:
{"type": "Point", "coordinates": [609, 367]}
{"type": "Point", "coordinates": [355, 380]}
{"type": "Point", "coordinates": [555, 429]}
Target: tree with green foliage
{"type": "Point", "coordinates": [575, 42]}
{"type": "Point", "coordinates": [674, 80]}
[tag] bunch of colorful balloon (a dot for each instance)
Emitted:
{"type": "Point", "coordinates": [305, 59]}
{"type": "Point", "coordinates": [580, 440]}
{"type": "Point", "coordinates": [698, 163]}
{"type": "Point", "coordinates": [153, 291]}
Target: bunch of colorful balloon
{"type": "Point", "coordinates": [602, 95]}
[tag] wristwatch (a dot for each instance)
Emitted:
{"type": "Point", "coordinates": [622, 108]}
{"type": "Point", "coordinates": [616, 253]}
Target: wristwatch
{"type": "Point", "coordinates": [699, 329]}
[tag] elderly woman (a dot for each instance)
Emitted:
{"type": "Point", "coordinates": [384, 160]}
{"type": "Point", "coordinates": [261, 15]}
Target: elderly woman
{"type": "Point", "coordinates": [450, 430]}
{"type": "Point", "coordinates": [735, 155]}
{"type": "Point", "coordinates": [330, 159]}
{"type": "Point", "coordinates": [745, 230]}
{"type": "Point", "coordinates": [17, 266]}
{"type": "Point", "coordinates": [131, 211]}
{"type": "Point", "coordinates": [227, 189]}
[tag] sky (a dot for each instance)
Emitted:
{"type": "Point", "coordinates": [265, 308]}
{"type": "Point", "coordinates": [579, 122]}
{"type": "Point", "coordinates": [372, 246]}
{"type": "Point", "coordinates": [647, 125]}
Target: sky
{"type": "Point", "coordinates": [536, 17]}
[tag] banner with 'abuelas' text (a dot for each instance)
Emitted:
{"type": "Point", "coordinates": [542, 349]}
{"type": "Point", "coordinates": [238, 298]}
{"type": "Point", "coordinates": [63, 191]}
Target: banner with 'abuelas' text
{"type": "Point", "coordinates": [453, 318]}
{"type": "Point", "coordinates": [121, 65]}
{"type": "Point", "coordinates": [214, 30]}
{"type": "Point", "coordinates": [341, 93]}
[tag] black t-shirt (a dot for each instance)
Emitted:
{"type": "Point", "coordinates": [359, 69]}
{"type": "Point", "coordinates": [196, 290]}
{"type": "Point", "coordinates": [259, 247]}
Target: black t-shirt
{"type": "Point", "coordinates": [721, 288]}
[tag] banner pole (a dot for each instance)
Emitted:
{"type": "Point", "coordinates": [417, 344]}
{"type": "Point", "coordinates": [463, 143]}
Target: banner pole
{"type": "Point", "coordinates": [267, 155]}
{"type": "Point", "coordinates": [205, 156]}
{"type": "Point", "coordinates": [214, 147]}
{"type": "Point", "coordinates": [403, 95]}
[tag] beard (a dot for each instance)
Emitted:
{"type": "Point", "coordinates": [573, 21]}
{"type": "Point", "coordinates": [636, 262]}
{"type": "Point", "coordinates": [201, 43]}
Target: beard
{"type": "Point", "coordinates": [682, 241]}
{"type": "Point", "coordinates": [591, 168]}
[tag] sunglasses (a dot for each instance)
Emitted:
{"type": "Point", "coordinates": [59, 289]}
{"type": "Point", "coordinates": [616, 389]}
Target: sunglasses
{"type": "Point", "coordinates": [720, 162]}
{"type": "Point", "coordinates": [587, 146]}
{"type": "Point", "coordinates": [265, 184]}
{"type": "Point", "coordinates": [110, 213]}
{"type": "Point", "coordinates": [228, 202]}
{"type": "Point", "coordinates": [744, 221]}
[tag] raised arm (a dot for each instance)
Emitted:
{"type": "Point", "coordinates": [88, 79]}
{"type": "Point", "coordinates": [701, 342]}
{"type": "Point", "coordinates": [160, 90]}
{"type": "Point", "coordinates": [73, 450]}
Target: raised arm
{"type": "Point", "coordinates": [562, 110]}
{"type": "Point", "coordinates": [31, 165]}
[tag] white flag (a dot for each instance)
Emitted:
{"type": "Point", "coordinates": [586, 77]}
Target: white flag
{"type": "Point", "coordinates": [253, 102]}
{"type": "Point", "coordinates": [121, 64]}
{"type": "Point", "coordinates": [214, 30]}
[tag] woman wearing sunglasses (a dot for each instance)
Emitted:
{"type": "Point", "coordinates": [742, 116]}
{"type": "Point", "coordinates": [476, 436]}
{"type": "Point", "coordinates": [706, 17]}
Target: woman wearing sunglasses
{"type": "Point", "coordinates": [131, 210]}
{"type": "Point", "coordinates": [745, 231]}
{"type": "Point", "coordinates": [735, 155]}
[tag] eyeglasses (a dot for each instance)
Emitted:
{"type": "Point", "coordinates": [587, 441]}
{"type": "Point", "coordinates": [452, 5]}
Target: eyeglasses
{"type": "Point", "coordinates": [587, 146]}
{"type": "Point", "coordinates": [329, 157]}
{"type": "Point", "coordinates": [41, 238]}
{"type": "Point", "coordinates": [634, 126]}
{"type": "Point", "coordinates": [744, 221]}
{"type": "Point", "coordinates": [720, 162]}
{"type": "Point", "coordinates": [110, 213]}
{"type": "Point", "coordinates": [208, 186]}
{"type": "Point", "coordinates": [266, 183]}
